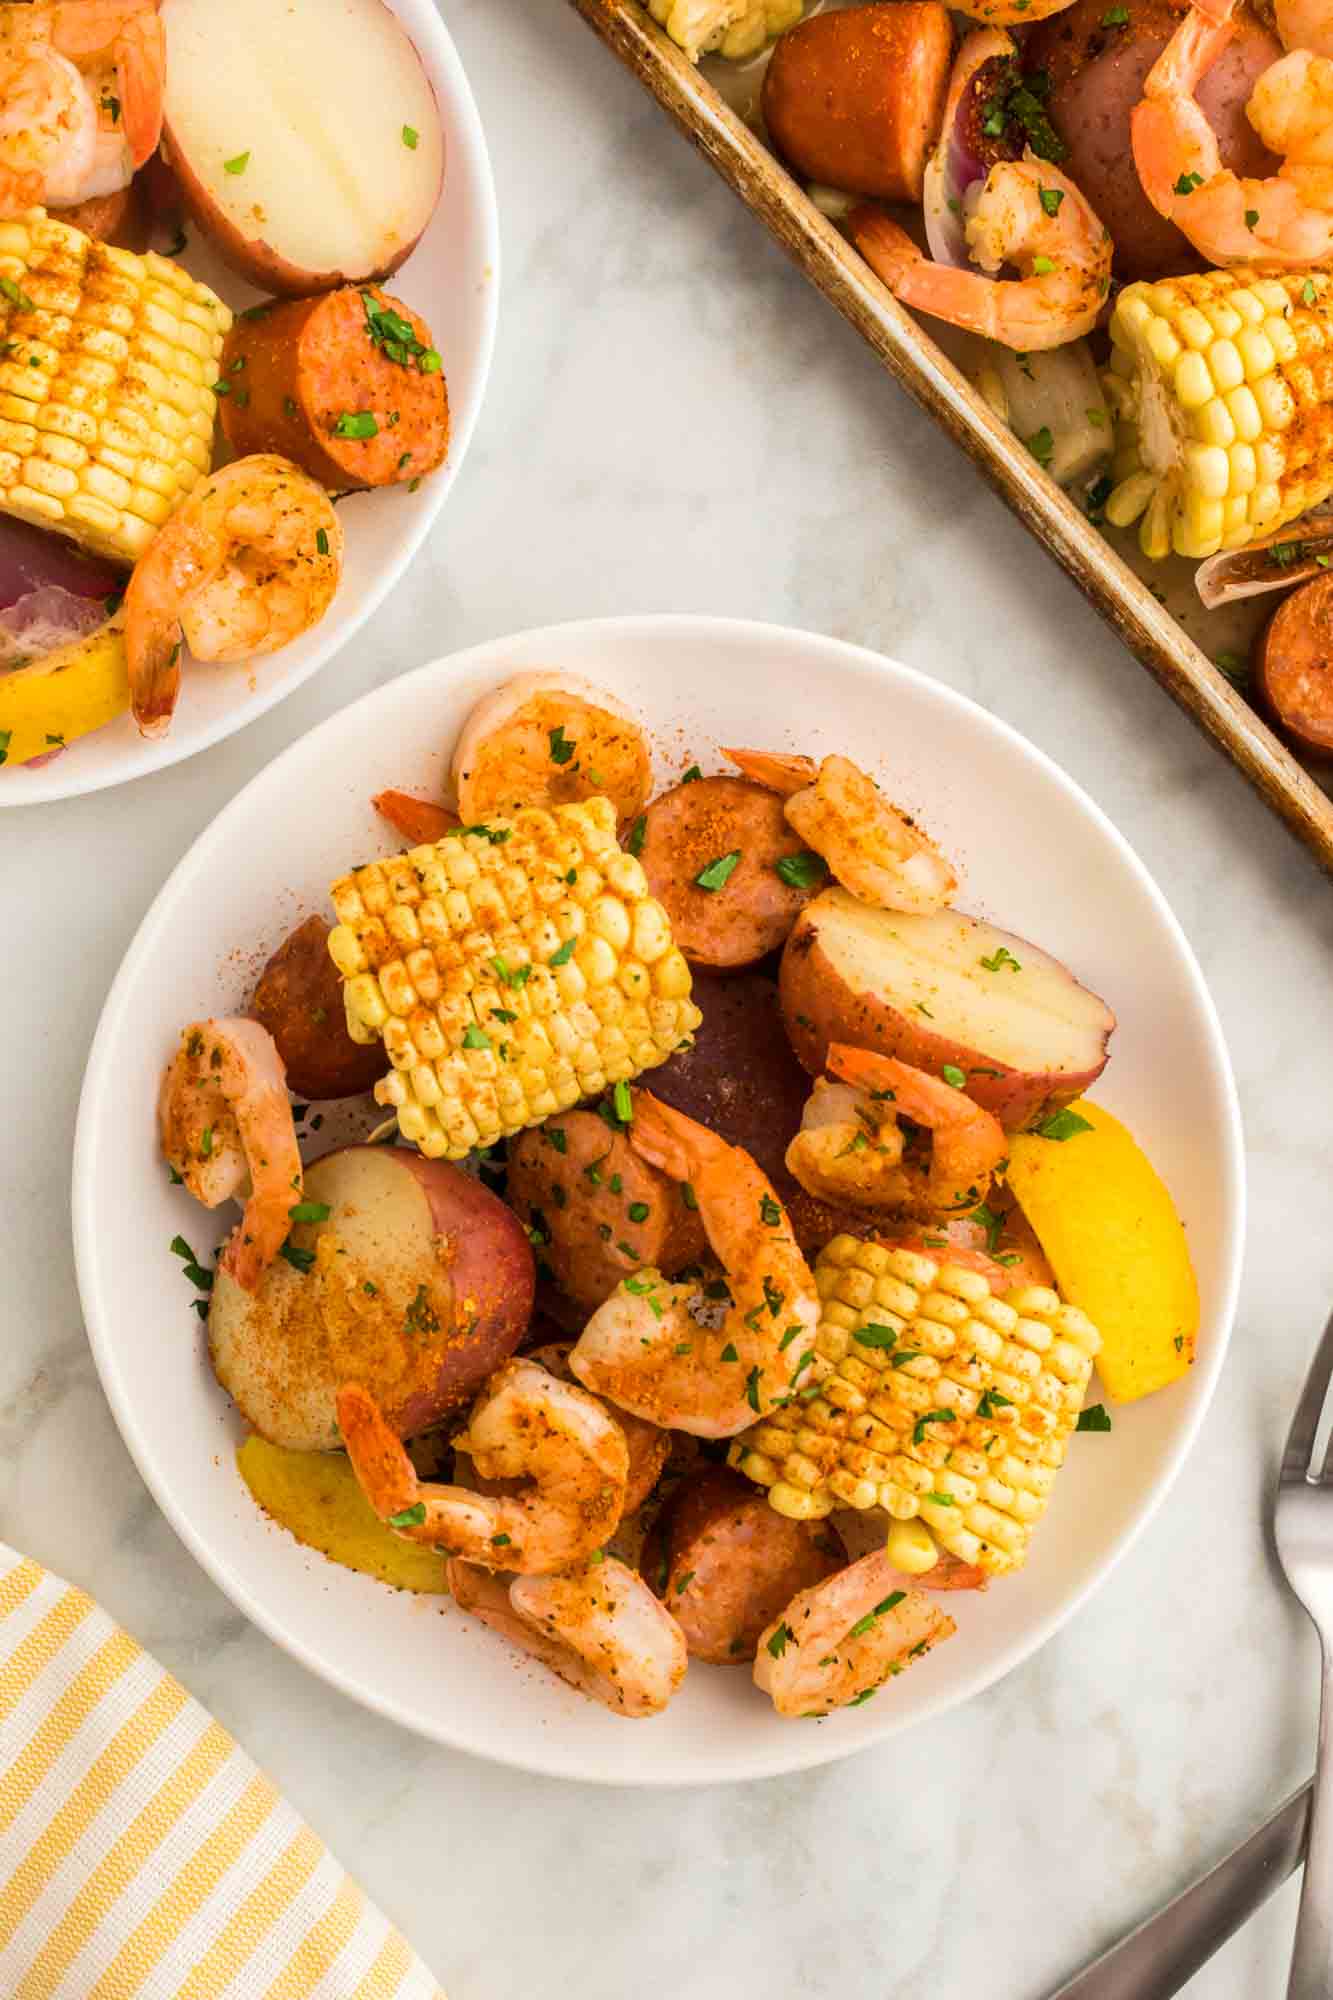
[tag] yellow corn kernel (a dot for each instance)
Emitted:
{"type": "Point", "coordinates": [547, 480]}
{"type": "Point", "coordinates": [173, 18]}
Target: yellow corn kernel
{"type": "Point", "coordinates": [911, 1547]}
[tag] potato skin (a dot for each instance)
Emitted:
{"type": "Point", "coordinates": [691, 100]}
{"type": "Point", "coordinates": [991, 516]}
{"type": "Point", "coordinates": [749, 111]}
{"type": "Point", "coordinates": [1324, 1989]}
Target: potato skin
{"type": "Point", "coordinates": [422, 1288]}
{"type": "Point", "coordinates": [593, 1240]}
{"type": "Point", "coordinates": [856, 98]}
{"type": "Point", "coordinates": [1096, 78]}
{"type": "Point", "coordinates": [299, 1000]}
{"type": "Point", "coordinates": [120, 219]}
{"type": "Point", "coordinates": [818, 1007]}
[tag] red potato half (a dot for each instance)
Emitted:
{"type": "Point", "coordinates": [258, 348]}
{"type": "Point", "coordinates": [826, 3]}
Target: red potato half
{"type": "Point", "coordinates": [306, 137]}
{"type": "Point", "coordinates": [946, 989]}
{"type": "Point", "coordinates": [421, 1284]}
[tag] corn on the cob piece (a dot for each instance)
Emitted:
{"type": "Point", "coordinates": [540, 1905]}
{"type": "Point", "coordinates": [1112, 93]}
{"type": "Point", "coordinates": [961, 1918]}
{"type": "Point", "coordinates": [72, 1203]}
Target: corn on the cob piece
{"type": "Point", "coordinates": [510, 971]}
{"type": "Point", "coordinates": [107, 366]}
{"type": "Point", "coordinates": [930, 1397]}
{"type": "Point", "coordinates": [1222, 384]}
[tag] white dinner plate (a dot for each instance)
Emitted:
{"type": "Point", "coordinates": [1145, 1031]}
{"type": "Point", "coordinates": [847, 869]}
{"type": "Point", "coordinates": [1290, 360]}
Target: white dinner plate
{"type": "Point", "coordinates": [452, 279]}
{"type": "Point", "coordinates": [1034, 854]}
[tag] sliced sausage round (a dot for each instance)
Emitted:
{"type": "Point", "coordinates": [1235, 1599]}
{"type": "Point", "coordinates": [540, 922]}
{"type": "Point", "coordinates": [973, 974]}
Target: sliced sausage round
{"type": "Point", "coordinates": [348, 385]}
{"type": "Point", "coordinates": [1295, 666]}
{"type": "Point", "coordinates": [595, 1210]}
{"type": "Point", "coordinates": [856, 98]}
{"type": "Point", "coordinates": [727, 1564]}
{"type": "Point", "coordinates": [299, 1000]}
{"type": "Point", "coordinates": [711, 850]}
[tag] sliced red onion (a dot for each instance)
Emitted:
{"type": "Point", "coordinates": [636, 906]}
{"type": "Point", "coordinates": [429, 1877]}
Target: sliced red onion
{"type": "Point", "coordinates": [31, 557]}
{"type": "Point", "coordinates": [1305, 548]}
{"type": "Point", "coordinates": [955, 166]}
{"type": "Point", "coordinates": [44, 620]}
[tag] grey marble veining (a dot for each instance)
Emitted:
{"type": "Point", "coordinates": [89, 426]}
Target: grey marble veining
{"type": "Point", "coordinates": [676, 422]}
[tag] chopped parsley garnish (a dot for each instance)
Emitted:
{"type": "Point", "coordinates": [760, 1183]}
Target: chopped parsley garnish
{"type": "Point", "coordinates": [555, 1135]}
{"type": "Point", "coordinates": [1234, 666]}
{"type": "Point", "coordinates": [1094, 1418]}
{"type": "Point", "coordinates": [563, 955]}
{"type": "Point", "coordinates": [718, 873]}
{"type": "Point", "coordinates": [1064, 1124]}
{"type": "Point", "coordinates": [356, 424]}
{"type": "Point", "coordinates": [1251, 217]}
{"type": "Point", "coordinates": [688, 1196]}
{"type": "Point", "coordinates": [639, 1211]}
{"type": "Point", "coordinates": [874, 1335]}
{"type": "Point", "coordinates": [752, 1390]}
{"type": "Point", "coordinates": [864, 1695]}
{"type": "Point", "coordinates": [300, 1260]}
{"type": "Point", "coordinates": [16, 295]}
{"type": "Point", "coordinates": [770, 1212]}
{"type": "Point", "coordinates": [634, 842]}
{"type": "Point", "coordinates": [1116, 17]}
{"type": "Point", "coordinates": [475, 1037]}
{"type": "Point", "coordinates": [692, 776]}
{"type": "Point", "coordinates": [729, 1353]}
{"type": "Point", "coordinates": [864, 1625]}
{"type": "Point", "coordinates": [991, 1400]}
{"type": "Point", "coordinates": [1308, 293]}
{"type": "Point", "coordinates": [561, 747]}
{"type": "Point", "coordinates": [801, 871]}
{"type": "Point", "coordinates": [781, 1638]}
{"type": "Point", "coordinates": [511, 975]}
{"type": "Point", "coordinates": [322, 540]}
{"type": "Point", "coordinates": [991, 1222]}
{"type": "Point", "coordinates": [421, 1317]}
{"type": "Point", "coordinates": [237, 165]}
{"type": "Point", "coordinates": [1019, 100]}
{"type": "Point", "coordinates": [953, 1075]}
{"type": "Point", "coordinates": [1050, 198]}
{"type": "Point", "coordinates": [999, 958]}
{"type": "Point", "coordinates": [310, 1211]}
{"type": "Point", "coordinates": [789, 1336]}
{"type": "Point", "coordinates": [410, 137]}
{"type": "Point", "coordinates": [1186, 183]}
{"type": "Point", "coordinates": [942, 1499]}
{"type": "Point", "coordinates": [501, 1541]}
{"type": "Point", "coordinates": [622, 1103]}
{"type": "Point", "coordinates": [1284, 554]}
{"type": "Point", "coordinates": [194, 1270]}
{"type": "Point", "coordinates": [1041, 444]}
{"type": "Point", "coordinates": [930, 1417]}
{"type": "Point", "coordinates": [411, 1517]}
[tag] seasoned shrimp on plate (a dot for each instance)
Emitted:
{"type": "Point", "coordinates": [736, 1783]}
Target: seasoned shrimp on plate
{"type": "Point", "coordinates": [81, 85]}
{"type": "Point", "coordinates": [877, 853]}
{"type": "Point", "coordinates": [1285, 219]}
{"type": "Point", "coordinates": [225, 1120]}
{"type": "Point", "coordinates": [249, 560]}
{"type": "Point", "coordinates": [548, 739]}
{"type": "Point", "coordinates": [1028, 215]}
{"type": "Point", "coordinates": [654, 1348]}
{"type": "Point", "coordinates": [597, 1625]}
{"type": "Point", "coordinates": [837, 1643]}
{"type": "Point", "coordinates": [525, 1425]}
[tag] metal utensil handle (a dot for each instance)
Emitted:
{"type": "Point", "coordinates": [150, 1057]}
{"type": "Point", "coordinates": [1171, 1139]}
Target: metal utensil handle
{"type": "Point", "coordinates": [1167, 1950]}
{"type": "Point", "coordinates": [1312, 1953]}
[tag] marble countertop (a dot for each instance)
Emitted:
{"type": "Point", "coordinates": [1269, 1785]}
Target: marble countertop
{"type": "Point", "coordinates": [677, 422]}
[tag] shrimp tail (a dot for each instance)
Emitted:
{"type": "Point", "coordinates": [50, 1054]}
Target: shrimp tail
{"type": "Point", "coordinates": [666, 1138]}
{"type": "Point", "coordinates": [867, 1069]}
{"type": "Point", "coordinates": [383, 1469]}
{"type": "Point", "coordinates": [777, 773]}
{"type": "Point", "coordinates": [141, 64]}
{"type": "Point", "coordinates": [253, 1244]}
{"type": "Point", "coordinates": [889, 250]}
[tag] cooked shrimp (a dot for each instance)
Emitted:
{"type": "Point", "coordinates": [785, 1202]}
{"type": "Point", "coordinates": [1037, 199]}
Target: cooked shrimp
{"type": "Point", "coordinates": [1029, 215]}
{"type": "Point", "coordinates": [566, 1447]}
{"type": "Point", "coordinates": [248, 561]}
{"type": "Point", "coordinates": [81, 85]}
{"type": "Point", "coordinates": [969, 1143]}
{"type": "Point", "coordinates": [547, 739]}
{"type": "Point", "coordinates": [876, 852]}
{"type": "Point", "coordinates": [850, 1149]}
{"type": "Point", "coordinates": [1286, 219]}
{"type": "Point", "coordinates": [598, 1626]}
{"type": "Point", "coordinates": [649, 1447]}
{"type": "Point", "coordinates": [654, 1348]}
{"type": "Point", "coordinates": [839, 1641]}
{"type": "Point", "coordinates": [224, 1119]}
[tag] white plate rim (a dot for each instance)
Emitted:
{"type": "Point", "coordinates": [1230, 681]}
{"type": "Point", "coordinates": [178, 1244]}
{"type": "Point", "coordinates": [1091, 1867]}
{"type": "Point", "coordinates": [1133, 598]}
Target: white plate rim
{"type": "Point", "coordinates": [806, 1751]}
{"type": "Point", "coordinates": [427, 29]}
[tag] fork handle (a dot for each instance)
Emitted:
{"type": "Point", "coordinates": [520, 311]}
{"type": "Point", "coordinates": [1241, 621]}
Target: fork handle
{"type": "Point", "coordinates": [1312, 1955]}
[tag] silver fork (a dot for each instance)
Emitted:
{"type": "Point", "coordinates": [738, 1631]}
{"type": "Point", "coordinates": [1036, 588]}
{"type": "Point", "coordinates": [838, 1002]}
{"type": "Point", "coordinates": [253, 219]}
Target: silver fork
{"type": "Point", "coordinates": [1303, 1527]}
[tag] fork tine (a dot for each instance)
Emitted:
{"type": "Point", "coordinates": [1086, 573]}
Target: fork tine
{"type": "Point", "coordinates": [1301, 1436]}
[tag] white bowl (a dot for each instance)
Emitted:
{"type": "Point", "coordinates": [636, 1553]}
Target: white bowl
{"type": "Point", "coordinates": [1035, 854]}
{"type": "Point", "coordinates": [452, 278]}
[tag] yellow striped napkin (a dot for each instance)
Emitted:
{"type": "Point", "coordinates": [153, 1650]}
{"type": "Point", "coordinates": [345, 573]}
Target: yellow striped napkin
{"type": "Point", "coordinates": [142, 1855]}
